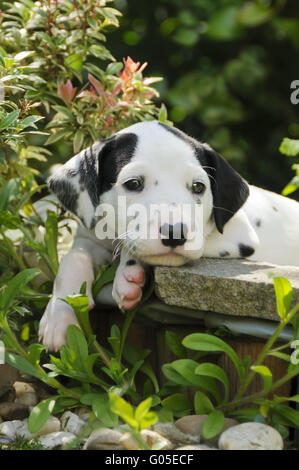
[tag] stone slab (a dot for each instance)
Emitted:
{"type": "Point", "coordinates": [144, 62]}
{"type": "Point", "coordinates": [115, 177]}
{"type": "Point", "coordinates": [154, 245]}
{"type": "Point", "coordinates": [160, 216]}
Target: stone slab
{"type": "Point", "coordinates": [232, 287]}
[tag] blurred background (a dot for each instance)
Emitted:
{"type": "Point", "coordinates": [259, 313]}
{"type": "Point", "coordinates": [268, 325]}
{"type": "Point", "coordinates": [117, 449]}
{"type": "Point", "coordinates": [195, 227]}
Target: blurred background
{"type": "Point", "coordinates": [227, 67]}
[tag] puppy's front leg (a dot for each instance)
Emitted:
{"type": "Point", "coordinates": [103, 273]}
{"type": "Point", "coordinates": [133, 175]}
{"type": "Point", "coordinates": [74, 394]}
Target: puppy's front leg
{"type": "Point", "coordinates": [128, 282]}
{"type": "Point", "coordinates": [75, 268]}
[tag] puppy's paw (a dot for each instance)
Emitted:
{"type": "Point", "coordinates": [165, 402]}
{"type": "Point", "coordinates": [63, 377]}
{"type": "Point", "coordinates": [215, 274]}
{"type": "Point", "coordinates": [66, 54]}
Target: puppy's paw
{"type": "Point", "coordinates": [54, 323]}
{"type": "Point", "coordinates": [128, 282]}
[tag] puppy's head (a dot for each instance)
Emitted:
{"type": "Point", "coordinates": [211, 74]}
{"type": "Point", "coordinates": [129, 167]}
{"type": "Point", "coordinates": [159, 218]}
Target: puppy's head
{"type": "Point", "coordinates": [156, 190]}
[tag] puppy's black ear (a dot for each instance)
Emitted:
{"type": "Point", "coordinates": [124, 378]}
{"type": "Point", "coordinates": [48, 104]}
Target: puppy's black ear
{"type": "Point", "coordinates": [81, 181]}
{"type": "Point", "coordinates": [229, 189]}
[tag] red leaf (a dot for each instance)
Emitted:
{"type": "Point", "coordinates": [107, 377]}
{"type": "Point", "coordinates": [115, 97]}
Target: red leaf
{"type": "Point", "coordinates": [67, 91]}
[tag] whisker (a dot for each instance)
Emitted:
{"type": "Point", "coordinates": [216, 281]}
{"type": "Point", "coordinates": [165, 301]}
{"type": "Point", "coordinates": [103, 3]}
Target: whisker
{"type": "Point", "coordinates": [209, 167]}
{"type": "Point", "coordinates": [224, 209]}
{"type": "Point", "coordinates": [212, 177]}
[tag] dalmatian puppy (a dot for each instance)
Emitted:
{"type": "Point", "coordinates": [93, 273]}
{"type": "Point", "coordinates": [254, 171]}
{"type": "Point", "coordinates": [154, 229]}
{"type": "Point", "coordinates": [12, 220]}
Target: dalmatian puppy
{"type": "Point", "coordinates": [152, 164]}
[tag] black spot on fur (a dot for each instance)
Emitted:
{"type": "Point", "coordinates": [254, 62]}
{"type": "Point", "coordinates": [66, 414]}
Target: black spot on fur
{"type": "Point", "coordinates": [229, 189]}
{"type": "Point", "coordinates": [245, 250]}
{"type": "Point", "coordinates": [96, 170]}
{"type": "Point", "coordinates": [181, 135]}
{"type": "Point", "coordinates": [65, 192]}
{"type": "Point", "coordinates": [223, 254]}
{"type": "Point", "coordinates": [131, 262]}
{"type": "Point", "coordinates": [156, 183]}
{"type": "Point", "coordinates": [258, 222]}
{"type": "Point", "coordinates": [116, 153]}
{"type": "Point", "coordinates": [275, 209]}
{"type": "Point", "coordinates": [88, 170]}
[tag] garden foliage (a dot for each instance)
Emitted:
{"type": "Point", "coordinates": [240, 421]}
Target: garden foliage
{"type": "Point", "coordinates": [228, 66]}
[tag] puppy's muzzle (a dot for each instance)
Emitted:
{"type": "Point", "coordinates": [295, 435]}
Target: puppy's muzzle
{"type": "Point", "coordinates": [173, 235]}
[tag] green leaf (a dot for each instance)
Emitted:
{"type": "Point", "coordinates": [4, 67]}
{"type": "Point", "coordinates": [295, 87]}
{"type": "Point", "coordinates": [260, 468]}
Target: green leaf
{"type": "Point", "coordinates": [8, 193]}
{"type": "Point", "coordinates": [114, 67]}
{"type": "Point", "coordinates": [205, 342]}
{"type": "Point", "coordinates": [51, 238]}
{"type": "Point", "coordinates": [148, 420]}
{"type": "Point", "coordinates": [65, 111]}
{"type": "Point", "coordinates": [266, 375]}
{"type": "Point", "coordinates": [143, 408]}
{"type": "Point", "coordinates": [64, 403]}
{"type": "Point", "coordinates": [212, 370]}
{"type": "Point", "coordinates": [14, 286]}
{"type": "Point", "coordinates": [173, 375]}
{"type": "Point", "coordinates": [9, 119]}
{"type": "Point", "coordinates": [289, 413]}
{"type": "Point", "coordinates": [74, 62]}
{"type": "Point", "coordinates": [78, 141]}
{"type": "Point", "coordinates": [176, 402]}
{"type": "Point", "coordinates": [105, 275]}
{"type": "Point", "coordinates": [40, 414]}
{"type": "Point", "coordinates": [29, 121]}
{"type": "Point", "coordinates": [23, 55]}
{"type": "Point", "coordinates": [100, 52]}
{"type": "Point", "coordinates": [174, 343]}
{"type": "Point", "coordinates": [79, 304]}
{"type": "Point", "coordinates": [101, 406]}
{"type": "Point", "coordinates": [9, 220]}
{"type": "Point", "coordinates": [165, 415]}
{"type": "Point", "coordinates": [57, 136]}
{"type": "Point", "coordinates": [186, 368]}
{"type": "Point", "coordinates": [280, 355]}
{"type": "Point", "coordinates": [123, 409]}
{"type": "Point", "coordinates": [246, 414]}
{"type": "Point", "coordinates": [292, 186]}
{"type": "Point", "coordinates": [289, 147]}
{"type": "Point", "coordinates": [223, 25]}
{"type": "Point", "coordinates": [283, 292]}
{"type": "Point", "coordinates": [34, 352]}
{"type": "Point", "coordinates": [89, 365]}
{"type": "Point", "coordinates": [213, 424]}
{"type": "Point", "coordinates": [253, 14]}
{"type": "Point", "coordinates": [22, 364]}
{"type": "Point", "coordinates": [77, 344]}
{"type": "Point", "coordinates": [202, 404]}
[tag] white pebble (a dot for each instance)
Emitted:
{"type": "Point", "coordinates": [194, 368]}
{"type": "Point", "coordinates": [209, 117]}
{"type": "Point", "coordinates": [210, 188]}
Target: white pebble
{"type": "Point", "coordinates": [151, 438]}
{"type": "Point", "coordinates": [10, 428]}
{"type": "Point", "coordinates": [72, 423]}
{"type": "Point", "coordinates": [28, 399]}
{"type": "Point", "coordinates": [22, 387]}
{"type": "Point", "coordinates": [56, 439]}
{"type": "Point", "coordinates": [251, 436]}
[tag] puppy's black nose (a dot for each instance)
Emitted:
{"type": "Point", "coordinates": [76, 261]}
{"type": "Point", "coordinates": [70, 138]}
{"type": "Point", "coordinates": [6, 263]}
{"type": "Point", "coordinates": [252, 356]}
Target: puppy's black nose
{"type": "Point", "coordinates": [175, 234]}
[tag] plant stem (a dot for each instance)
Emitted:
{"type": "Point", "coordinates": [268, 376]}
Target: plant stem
{"type": "Point", "coordinates": [102, 353]}
{"type": "Point", "coordinates": [264, 352]}
{"type": "Point", "coordinates": [12, 251]}
{"type": "Point", "coordinates": [250, 398]}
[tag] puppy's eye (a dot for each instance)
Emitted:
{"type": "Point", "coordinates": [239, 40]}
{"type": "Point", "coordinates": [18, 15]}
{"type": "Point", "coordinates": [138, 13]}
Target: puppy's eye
{"type": "Point", "coordinates": [198, 187]}
{"type": "Point", "coordinates": [134, 184]}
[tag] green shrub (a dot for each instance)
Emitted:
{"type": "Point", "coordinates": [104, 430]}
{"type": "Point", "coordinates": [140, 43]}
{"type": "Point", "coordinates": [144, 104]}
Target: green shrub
{"type": "Point", "coordinates": [59, 85]}
{"type": "Point", "coordinates": [100, 377]}
{"type": "Point", "coordinates": [290, 148]}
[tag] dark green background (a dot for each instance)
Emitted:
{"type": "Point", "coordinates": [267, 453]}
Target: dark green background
{"type": "Point", "coordinates": [227, 67]}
